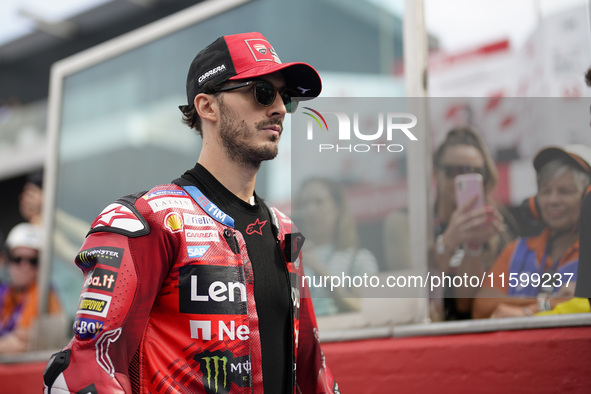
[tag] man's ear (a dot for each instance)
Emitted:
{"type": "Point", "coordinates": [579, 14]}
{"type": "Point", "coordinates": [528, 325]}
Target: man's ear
{"type": "Point", "coordinates": [206, 106]}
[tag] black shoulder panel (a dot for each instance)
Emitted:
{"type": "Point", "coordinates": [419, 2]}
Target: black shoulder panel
{"type": "Point", "coordinates": [122, 217]}
{"type": "Point", "coordinates": [56, 365]}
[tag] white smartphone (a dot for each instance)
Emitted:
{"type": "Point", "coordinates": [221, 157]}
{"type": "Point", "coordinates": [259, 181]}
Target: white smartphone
{"type": "Point", "coordinates": [468, 187]}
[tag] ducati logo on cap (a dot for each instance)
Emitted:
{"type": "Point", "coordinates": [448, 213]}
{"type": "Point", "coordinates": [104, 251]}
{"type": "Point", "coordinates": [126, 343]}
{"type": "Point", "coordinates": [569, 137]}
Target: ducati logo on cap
{"type": "Point", "coordinates": [262, 51]}
{"type": "Point", "coordinates": [260, 48]}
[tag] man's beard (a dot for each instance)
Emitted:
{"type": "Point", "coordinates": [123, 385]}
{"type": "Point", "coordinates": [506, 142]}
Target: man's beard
{"type": "Point", "coordinates": [236, 137]}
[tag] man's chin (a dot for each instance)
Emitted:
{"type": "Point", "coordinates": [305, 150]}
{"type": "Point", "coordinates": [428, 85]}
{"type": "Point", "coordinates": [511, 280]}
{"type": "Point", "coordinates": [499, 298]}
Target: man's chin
{"type": "Point", "coordinates": [269, 156]}
{"type": "Point", "coordinates": [254, 159]}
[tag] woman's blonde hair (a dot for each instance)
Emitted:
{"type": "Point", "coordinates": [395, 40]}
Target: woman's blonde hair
{"type": "Point", "coordinates": [467, 135]}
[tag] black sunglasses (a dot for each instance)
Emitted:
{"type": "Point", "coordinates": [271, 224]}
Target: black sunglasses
{"type": "Point", "coordinates": [264, 93]}
{"type": "Point", "coordinates": [453, 171]}
{"type": "Point", "coordinates": [19, 259]}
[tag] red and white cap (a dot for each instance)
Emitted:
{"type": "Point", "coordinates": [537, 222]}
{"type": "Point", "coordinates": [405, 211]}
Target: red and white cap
{"type": "Point", "coordinates": [246, 56]}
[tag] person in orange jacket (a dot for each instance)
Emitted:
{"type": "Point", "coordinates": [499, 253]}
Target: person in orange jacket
{"type": "Point", "coordinates": [19, 300]}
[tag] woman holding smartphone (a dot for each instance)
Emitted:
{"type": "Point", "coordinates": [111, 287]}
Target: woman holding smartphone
{"type": "Point", "coordinates": [468, 234]}
{"type": "Point", "coordinates": [533, 274]}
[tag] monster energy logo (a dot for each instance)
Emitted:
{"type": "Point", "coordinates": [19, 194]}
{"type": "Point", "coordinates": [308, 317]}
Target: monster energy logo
{"type": "Point", "coordinates": [220, 373]}
{"type": "Point", "coordinates": [221, 369]}
{"type": "Point", "coordinates": [107, 255]}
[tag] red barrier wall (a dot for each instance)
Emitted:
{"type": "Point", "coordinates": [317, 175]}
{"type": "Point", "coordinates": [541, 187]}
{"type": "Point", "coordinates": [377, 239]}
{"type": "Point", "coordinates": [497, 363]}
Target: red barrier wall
{"type": "Point", "coordinates": [556, 360]}
{"type": "Point", "coordinates": [23, 378]}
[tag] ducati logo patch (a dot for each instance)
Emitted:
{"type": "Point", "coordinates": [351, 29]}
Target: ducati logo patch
{"type": "Point", "coordinates": [262, 51]}
{"type": "Point", "coordinates": [260, 48]}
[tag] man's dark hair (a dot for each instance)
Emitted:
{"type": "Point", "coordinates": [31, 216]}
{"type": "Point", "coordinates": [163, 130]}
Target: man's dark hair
{"type": "Point", "coordinates": [191, 117]}
{"type": "Point", "coordinates": [588, 77]}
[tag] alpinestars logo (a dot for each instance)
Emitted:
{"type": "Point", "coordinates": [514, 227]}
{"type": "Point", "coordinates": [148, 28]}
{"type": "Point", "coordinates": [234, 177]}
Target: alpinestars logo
{"type": "Point", "coordinates": [119, 217]}
{"type": "Point", "coordinates": [256, 227]}
{"type": "Point", "coordinates": [221, 369]}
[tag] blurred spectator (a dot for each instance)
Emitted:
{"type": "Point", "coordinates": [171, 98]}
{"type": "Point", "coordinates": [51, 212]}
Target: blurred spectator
{"type": "Point", "coordinates": [543, 267]}
{"type": "Point", "coordinates": [583, 288]}
{"type": "Point", "coordinates": [19, 297]}
{"type": "Point", "coordinates": [467, 240]}
{"type": "Point", "coordinates": [332, 245]}
{"type": "Point", "coordinates": [69, 231]}
{"type": "Point", "coordinates": [31, 198]}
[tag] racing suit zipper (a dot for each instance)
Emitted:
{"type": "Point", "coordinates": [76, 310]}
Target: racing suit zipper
{"type": "Point", "coordinates": [231, 240]}
{"type": "Point", "coordinates": [233, 243]}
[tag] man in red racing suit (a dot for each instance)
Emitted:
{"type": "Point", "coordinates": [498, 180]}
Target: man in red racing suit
{"type": "Point", "coordinates": [139, 274]}
{"type": "Point", "coordinates": [169, 299]}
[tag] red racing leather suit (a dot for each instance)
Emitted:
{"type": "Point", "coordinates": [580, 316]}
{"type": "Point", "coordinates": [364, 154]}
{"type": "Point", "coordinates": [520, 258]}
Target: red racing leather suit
{"type": "Point", "coordinates": [167, 304]}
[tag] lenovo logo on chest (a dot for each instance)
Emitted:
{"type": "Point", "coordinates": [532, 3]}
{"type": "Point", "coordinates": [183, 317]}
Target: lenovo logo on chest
{"type": "Point", "coordinates": [212, 290]}
{"type": "Point", "coordinates": [218, 291]}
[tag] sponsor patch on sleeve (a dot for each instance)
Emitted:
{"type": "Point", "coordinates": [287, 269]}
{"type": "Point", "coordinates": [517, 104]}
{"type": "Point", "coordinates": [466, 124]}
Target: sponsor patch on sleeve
{"type": "Point", "coordinates": [87, 328]}
{"type": "Point", "coordinates": [101, 279]}
{"type": "Point", "coordinates": [94, 304]}
{"type": "Point", "coordinates": [106, 255]}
